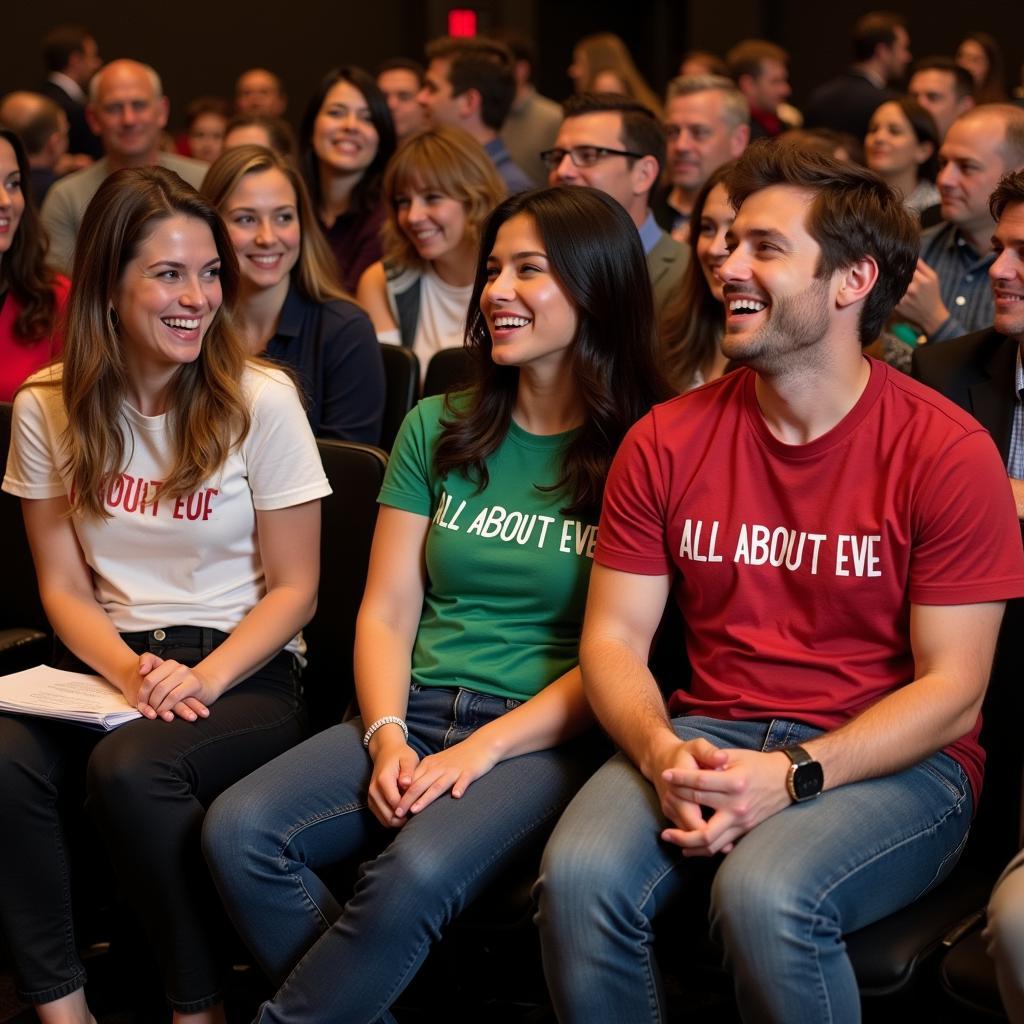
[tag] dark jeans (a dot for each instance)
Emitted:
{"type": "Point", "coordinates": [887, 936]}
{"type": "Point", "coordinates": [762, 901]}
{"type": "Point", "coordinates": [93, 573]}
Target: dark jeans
{"type": "Point", "coordinates": [147, 786]}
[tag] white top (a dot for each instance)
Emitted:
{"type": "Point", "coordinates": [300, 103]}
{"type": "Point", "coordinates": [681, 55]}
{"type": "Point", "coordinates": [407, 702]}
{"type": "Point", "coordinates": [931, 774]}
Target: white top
{"type": "Point", "coordinates": [189, 561]}
{"type": "Point", "coordinates": [442, 319]}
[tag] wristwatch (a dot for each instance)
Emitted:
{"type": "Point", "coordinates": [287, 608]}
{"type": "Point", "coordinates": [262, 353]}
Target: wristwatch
{"type": "Point", "coordinates": [805, 779]}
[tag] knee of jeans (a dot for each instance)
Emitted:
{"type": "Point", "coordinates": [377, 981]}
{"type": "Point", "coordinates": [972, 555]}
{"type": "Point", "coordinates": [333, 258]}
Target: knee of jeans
{"type": "Point", "coordinates": [576, 880]}
{"type": "Point", "coordinates": [233, 828]}
{"type": "Point", "coordinates": [750, 896]}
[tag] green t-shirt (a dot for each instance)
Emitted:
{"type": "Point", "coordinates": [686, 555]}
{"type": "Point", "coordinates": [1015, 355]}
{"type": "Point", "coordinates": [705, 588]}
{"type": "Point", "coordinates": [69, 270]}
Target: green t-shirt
{"type": "Point", "coordinates": [507, 572]}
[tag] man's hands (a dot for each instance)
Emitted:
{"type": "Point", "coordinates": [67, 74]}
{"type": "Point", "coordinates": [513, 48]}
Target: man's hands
{"type": "Point", "coordinates": [922, 304]}
{"type": "Point", "coordinates": [402, 784]}
{"type": "Point", "coordinates": [741, 788]}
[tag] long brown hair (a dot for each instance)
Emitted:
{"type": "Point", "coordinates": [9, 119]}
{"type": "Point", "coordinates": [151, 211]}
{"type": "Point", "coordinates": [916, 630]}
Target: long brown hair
{"type": "Point", "coordinates": [315, 273]}
{"type": "Point", "coordinates": [23, 268]}
{"type": "Point", "coordinates": [693, 321]}
{"type": "Point", "coordinates": [595, 255]}
{"type": "Point", "coordinates": [208, 414]}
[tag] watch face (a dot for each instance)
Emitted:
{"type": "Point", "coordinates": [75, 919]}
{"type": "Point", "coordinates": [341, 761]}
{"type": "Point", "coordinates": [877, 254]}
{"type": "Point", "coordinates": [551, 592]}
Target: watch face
{"type": "Point", "coordinates": [808, 778]}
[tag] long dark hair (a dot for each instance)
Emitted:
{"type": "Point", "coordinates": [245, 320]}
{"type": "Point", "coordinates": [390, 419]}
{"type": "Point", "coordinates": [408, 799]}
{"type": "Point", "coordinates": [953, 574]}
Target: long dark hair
{"type": "Point", "coordinates": [366, 194]}
{"type": "Point", "coordinates": [23, 269]}
{"type": "Point", "coordinates": [693, 320]}
{"type": "Point", "coordinates": [594, 253]}
{"type": "Point", "coordinates": [923, 125]}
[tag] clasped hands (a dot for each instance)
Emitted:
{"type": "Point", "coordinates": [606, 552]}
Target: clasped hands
{"type": "Point", "coordinates": [168, 690]}
{"type": "Point", "coordinates": [922, 303]}
{"type": "Point", "coordinates": [740, 787]}
{"type": "Point", "coordinates": [403, 784]}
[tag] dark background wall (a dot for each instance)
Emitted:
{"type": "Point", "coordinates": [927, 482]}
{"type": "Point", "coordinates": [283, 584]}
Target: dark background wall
{"type": "Point", "coordinates": [200, 47]}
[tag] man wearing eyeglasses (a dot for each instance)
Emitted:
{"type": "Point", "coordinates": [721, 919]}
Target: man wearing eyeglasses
{"type": "Point", "coordinates": [617, 145]}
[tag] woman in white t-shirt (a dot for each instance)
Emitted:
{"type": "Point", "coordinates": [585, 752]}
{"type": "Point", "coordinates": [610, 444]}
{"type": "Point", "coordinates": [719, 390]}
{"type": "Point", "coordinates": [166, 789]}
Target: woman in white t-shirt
{"type": "Point", "coordinates": [438, 189]}
{"type": "Point", "coordinates": [170, 489]}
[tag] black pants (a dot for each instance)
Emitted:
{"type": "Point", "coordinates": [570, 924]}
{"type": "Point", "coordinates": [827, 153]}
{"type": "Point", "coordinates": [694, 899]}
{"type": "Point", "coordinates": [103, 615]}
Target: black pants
{"type": "Point", "coordinates": [147, 786]}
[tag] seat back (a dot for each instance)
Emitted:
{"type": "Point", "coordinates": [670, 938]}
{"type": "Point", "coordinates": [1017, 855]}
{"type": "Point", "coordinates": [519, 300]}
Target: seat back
{"type": "Point", "coordinates": [20, 606]}
{"type": "Point", "coordinates": [401, 388]}
{"type": "Point", "coordinates": [348, 516]}
{"type": "Point", "coordinates": [447, 370]}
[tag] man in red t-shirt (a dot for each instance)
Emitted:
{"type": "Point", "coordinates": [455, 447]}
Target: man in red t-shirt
{"type": "Point", "coordinates": [840, 541]}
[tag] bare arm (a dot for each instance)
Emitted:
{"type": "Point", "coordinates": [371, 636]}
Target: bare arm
{"type": "Point", "coordinates": [1018, 496]}
{"type": "Point", "coordinates": [953, 648]}
{"type": "Point", "coordinates": [289, 541]}
{"type": "Point", "coordinates": [372, 295]}
{"type": "Point", "coordinates": [66, 590]}
{"type": "Point", "coordinates": [385, 632]}
{"type": "Point", "coordinates": [623, 612]}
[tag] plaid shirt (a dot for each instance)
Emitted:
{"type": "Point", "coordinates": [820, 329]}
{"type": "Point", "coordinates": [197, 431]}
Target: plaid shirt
{"type": "Point", "coordinates": [1015, 457]}
{"type": "Point", "coordinates": [963, 281]}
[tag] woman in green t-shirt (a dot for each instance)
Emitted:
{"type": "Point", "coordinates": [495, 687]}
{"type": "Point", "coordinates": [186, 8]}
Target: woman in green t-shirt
{"type": "Point", "coordinates": [466, 648]}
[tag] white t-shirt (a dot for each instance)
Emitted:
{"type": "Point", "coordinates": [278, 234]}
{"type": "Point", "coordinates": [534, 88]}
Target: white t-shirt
{"type": "Point", "coordinates": [442, 317]}
{"type": "Point", "coordinates": [189, 561]}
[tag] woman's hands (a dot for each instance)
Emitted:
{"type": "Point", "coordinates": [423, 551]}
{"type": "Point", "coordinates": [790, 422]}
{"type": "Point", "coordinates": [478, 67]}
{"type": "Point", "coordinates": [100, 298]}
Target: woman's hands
{"type": "Point", "coordinates": [402, 784]}
{"type": "Point", "coordinates": [394, 767]}
{"type": "Point", "coordinates": [169, 690]}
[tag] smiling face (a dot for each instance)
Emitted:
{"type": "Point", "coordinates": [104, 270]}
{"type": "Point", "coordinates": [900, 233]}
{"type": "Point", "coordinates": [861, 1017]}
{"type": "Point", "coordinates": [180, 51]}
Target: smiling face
{"type": "Point", "coordinates": [529, 316]}
{"type": "Point", "coordinates": [775, 305]}
{"type": "Point", "coordinates": [624, 178]}
{"type": "Point", "coordinates": [263, 222]}
{"type": "Point", "coordinates": [715, 221]}
{"type": "Point", "coordinates": [890, 145]}
{"type": "Point", "coordinates": [12, 198]}
{"type": "Point", "coordinates": [1007, 272]}
{"type": "Point", "coordinates": [167, 296]}
{"type": "Point", "coordinates": [433, 222]}
{"type": "Point", "coordinates": [344, 136]}
{"type": "Point", "coordinates": [700, 138]}
{"type": "Point", "coordinates": [128, 115]}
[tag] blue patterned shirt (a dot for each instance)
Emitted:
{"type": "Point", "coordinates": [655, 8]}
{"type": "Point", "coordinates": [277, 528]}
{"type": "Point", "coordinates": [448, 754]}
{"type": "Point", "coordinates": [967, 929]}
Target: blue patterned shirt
{"type": "Point", "coordinates": [1015, 457]}
{"type": "Point", "coordinates": [963, 281]}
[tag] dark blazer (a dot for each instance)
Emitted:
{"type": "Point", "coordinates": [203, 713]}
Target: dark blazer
{"type": "Point", "coordinates": [80, 136]}
{"type": "Point", "coordinates": [977, 372]}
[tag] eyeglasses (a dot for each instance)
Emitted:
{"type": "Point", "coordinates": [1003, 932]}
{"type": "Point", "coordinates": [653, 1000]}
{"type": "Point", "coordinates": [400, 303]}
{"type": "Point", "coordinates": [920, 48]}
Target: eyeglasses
{"type": "Point", "coordinates": [582, 156]}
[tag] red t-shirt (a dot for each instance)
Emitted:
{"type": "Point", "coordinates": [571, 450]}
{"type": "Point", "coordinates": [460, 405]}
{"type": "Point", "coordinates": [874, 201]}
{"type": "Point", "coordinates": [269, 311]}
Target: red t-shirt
{"type": "Point", "coordinates": [796, 565]}
{"type": "Point", "coordinates": [19, 359]}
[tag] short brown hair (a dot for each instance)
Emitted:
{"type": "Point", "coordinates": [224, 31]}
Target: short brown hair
{"type": "Point", "coordinates": [481, 64]}
{"type": "Point", "coordinates": [1009, 192]}
{"type": "Point", "coordinates": [451, 161]}
{"type": "Point", "coordinates": [873, 28]}
{"type": "Point", "coordinates": [853, 214]}
{"type": "Point", "coordinates": [748, 57]}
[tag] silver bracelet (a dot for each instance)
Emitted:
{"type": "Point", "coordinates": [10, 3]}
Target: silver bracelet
{"type": "Point", "coordinates": [386, 720]}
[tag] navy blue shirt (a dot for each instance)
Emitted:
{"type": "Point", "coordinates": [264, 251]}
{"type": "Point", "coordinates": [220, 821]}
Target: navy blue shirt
{"type": "Point", "coordinates": [333, 350]}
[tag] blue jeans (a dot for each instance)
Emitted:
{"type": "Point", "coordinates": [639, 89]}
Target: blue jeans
{"type": "Point", "coordinates": [269, 836]}
{"type": "Point", "coordinates": [780, 902]}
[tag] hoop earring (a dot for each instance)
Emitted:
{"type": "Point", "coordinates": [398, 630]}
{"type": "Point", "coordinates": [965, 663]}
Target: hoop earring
{"type": "Point", "coordinates": [113, 318]}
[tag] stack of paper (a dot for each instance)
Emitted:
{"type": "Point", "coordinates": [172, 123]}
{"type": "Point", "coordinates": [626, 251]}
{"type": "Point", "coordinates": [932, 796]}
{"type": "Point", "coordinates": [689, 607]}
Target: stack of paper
{"type": "Point", "coordinates": [73, 696]}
